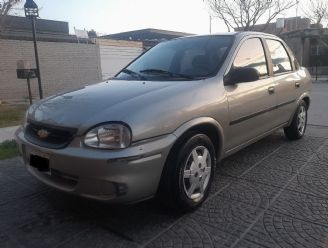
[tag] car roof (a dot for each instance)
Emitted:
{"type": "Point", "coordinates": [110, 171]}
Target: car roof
{"type": "Point", "coordinates": [239, 34]}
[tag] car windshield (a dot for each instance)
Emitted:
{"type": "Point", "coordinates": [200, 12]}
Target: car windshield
{"type": "Point", "coordinates": [191, 58]}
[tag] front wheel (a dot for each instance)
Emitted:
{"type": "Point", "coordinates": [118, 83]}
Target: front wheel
{"type": "Point", "coordinates": [188, 173]}
{"type": "Point", "coordinates": [297, 128]}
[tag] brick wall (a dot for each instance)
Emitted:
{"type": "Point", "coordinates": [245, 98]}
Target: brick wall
{"type": "Point", "coordinates": [64, 66]}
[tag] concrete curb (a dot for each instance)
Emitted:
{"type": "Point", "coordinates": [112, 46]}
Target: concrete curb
{"type": "Point", "coordinates": [7, 133]}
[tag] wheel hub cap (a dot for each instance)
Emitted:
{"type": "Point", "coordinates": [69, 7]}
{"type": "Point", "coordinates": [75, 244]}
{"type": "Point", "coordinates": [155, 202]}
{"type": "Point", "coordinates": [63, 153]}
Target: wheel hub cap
{"type": "Point", "coordinates": [197, 173]}
{"type": "Point", "coordinates": [301, 120]}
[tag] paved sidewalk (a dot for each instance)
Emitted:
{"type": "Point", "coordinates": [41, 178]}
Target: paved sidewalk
{"type": "Point", "coordinates": [271, 194]}
{"type": "Point", "coordinates": [7, 133]}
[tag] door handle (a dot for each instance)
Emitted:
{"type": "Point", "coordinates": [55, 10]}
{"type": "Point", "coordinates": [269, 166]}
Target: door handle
{"type": "Point", "coordinates": [297, 85]}
{"type": "Point", "coordinates": [271, 89]}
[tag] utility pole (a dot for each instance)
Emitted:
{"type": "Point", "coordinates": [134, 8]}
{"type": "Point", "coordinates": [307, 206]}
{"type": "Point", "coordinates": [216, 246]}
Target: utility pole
{"type": "Point", "coordinates": [32, 12]}
{"type": "Point", "coordinates": [210, 24]}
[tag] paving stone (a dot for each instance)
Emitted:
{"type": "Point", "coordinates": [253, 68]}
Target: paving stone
{"type": "Point", "coordinates": [278, 230]}
{"type": "Point", "coordinates": [294, 154]}
{"type": "Point", "coordinates": [232, 168]}
{"type": "Point", "coordinates": [34, 223]}
{"type": "Point", "coordinates": [226, 215]}
{"type": "Point", "coordinates": [21, 211]}
{"type": "Point", "coordinates": [321, 156]}
{"type": "Point", "coordinates": [302, 206]}
{"type": "Point", "coordinates": [16, 169]}
{"type": "Point", "coordinates": [316, 131]}
{"type": "Point", "coordinates": [98, 237]}
{"type": "Point", "coordinates": [244, 156]}
{"type": "Point", "coordinates": [6, 242]}
{"type": "Point", "coordinates": [138, 223]}
{"type": "Point", "coordinates": [248, 244]}
{"type": "Point", "coordinates": [190, 233]}
{"type": "Point", "coordinates": [283, 164]}
{"type": "Point", "coordinates": [10, 190]}
{"type": "Point", "coordinates": [255, 194]}
{"type": "Point", "coordinates": [315, 170]}
{"type": "Point", "coordinates": [310, 185]}
{"type": "Point", "coordinates": [267, 176]}
{"type": "Point", "coordinates": [306, 143]}
{"type": "Point", "coordinates": [220, 182]}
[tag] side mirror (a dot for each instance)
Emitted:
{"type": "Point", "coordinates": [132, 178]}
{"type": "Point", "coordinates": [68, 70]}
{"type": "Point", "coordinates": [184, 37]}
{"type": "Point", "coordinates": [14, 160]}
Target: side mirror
{"type": "Point", "coordinates": [241, 75]}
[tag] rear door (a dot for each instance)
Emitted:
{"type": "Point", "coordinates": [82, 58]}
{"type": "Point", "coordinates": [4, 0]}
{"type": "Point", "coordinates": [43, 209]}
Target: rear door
{"type": "Point", "coordinates": [287, 81]}
{"type": "Point", "coordinates": [251, 104]}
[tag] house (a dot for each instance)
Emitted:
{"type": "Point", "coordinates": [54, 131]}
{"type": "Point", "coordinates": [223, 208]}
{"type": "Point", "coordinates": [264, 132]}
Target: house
{"type": "Point", "coordinates": [149, 37]}
{"type": "Point", "coordinates": [19, 28]}
{"type": "Point", "coordinates": [282, 25]}
{"type": "Point", "coordinates": [308, 42]}
{"type": "Point", "coordinates": [310, 46]}
{"type": "Point", "coordinates": [118, 50]}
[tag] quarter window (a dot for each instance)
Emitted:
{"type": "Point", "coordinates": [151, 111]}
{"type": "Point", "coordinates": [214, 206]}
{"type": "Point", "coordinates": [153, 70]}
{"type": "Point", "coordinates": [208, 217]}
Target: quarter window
{"type": "Point", "coordinates": [280, 59]}
{"type": "Point", "coordinates": [251, 54]}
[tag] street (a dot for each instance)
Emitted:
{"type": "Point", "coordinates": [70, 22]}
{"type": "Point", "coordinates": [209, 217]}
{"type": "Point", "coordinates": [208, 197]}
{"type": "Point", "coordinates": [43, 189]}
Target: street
{"type": "Point", "coordinates": [274, 193]}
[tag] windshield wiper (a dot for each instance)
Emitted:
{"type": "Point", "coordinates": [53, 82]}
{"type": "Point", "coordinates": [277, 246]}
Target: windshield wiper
{"type": "Point", "coordinates": [133, 73]}
{"type": "Point", "coordinates": [167, 73]}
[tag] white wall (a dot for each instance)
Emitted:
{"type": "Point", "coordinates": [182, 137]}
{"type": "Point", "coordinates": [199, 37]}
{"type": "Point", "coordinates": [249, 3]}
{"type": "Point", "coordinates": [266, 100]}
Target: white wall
{"type": "Point", "coordinates": [115, 55]}
{"type": "Point", "coordinates": [64, 66]}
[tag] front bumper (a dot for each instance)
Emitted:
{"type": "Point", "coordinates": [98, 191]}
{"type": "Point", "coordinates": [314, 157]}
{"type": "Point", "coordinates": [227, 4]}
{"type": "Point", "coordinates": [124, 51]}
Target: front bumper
{"type": "Point", "coordinates": [121, 176]}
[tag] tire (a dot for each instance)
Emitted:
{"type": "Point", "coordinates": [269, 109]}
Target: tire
{"type": "Point", "coordinates": [188, 173]}
{"type": "Point", "coordinates": [297, 128]}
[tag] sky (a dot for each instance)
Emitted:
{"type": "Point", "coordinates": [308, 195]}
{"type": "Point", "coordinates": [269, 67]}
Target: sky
{"type": "Point", "coordinates": [114, 16]}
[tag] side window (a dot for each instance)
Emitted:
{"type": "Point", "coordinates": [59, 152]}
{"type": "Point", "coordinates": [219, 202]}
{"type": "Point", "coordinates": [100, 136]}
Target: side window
{"type": "Point", "coordinates": [251, 54]}
{"type": "Point", "coordinates": [280, 59]}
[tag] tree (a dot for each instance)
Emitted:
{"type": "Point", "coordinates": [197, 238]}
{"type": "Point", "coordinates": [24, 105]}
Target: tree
{"type": "Point", "coordinates": [316, 10]}
{"type": "Point", "coordinates": [244, 14]}
{"type": "Point", "coordinates": [6, 6]}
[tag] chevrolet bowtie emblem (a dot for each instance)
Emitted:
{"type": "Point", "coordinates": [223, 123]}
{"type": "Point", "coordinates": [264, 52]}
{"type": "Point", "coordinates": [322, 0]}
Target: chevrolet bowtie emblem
{"type": "Point", "coordinates": [42, 133]}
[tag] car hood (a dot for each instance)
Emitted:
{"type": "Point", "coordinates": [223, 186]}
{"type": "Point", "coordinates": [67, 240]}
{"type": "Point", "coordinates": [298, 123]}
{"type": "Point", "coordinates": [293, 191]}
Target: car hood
{"type": "Point", "coordinates": [90, 105]}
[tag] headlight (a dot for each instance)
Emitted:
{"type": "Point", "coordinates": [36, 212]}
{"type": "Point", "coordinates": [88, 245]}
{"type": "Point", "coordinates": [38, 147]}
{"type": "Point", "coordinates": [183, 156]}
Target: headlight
{"type": "Point", "coordinates": [109, 136]}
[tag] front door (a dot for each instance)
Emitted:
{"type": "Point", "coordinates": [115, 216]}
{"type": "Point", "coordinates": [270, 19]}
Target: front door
{"type": "Point", "coordinates": [251, 104]}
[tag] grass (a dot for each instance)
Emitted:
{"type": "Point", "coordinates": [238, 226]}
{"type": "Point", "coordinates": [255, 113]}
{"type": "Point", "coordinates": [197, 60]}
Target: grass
{"type": "Point", "coordinates": [8, 149]}
{"type": "Point", "coordinates": [11, 115]}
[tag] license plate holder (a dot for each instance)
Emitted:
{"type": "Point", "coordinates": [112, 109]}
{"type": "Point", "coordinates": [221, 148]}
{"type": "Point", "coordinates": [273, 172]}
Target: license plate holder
{"type": "Point", "coordinates": [40, 163]}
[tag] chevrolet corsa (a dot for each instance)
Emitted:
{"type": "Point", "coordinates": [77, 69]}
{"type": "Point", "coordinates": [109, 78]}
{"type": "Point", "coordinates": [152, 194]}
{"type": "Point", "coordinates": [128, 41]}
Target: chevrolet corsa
{"type": "Point", "coordinates": [159, 127]}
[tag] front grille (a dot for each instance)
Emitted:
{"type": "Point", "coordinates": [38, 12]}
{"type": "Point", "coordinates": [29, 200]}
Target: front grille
{"type": "Point", "coordinates": [49, 136]}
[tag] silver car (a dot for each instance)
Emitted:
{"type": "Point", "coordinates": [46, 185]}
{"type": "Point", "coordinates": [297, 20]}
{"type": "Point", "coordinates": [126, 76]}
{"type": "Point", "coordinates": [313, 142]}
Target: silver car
{"type": "Point", "coordinates": [159, 127]}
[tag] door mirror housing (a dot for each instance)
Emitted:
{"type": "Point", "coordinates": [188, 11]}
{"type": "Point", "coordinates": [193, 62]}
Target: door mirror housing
{"type": "Point", "coordinates": [241, 75]}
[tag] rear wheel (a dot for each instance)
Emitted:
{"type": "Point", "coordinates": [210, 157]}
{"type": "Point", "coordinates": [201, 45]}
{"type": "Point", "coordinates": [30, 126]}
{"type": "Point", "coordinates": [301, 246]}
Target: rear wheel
{"type": "Point", "coordinates": [188, 173]}
{"type": "Point", "coordinates": [297, 128]}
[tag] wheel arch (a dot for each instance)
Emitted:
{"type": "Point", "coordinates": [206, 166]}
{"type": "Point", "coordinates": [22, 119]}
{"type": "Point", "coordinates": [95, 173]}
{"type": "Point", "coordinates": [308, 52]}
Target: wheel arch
{"type": "Point", "coordinates": [304, 97]}
{"type": "Point", "coordinates": [205, 125]}
{"type": "Point", "coordinates": [307, 100]}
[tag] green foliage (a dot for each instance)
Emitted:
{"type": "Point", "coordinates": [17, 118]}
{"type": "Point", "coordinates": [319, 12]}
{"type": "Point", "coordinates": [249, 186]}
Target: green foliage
{"type": "Point", "coordinates": [8, 149]}
{"type": "Point", "coordinates": [11, 115]}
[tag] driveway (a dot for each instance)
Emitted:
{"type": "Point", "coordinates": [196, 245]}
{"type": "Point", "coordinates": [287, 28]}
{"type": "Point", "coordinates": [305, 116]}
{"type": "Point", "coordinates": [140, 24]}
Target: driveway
{"type": "Point", "coordinates": [271, 194]}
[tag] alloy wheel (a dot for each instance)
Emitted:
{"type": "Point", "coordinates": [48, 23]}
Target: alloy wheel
{"type": "Point", "coordinates": [301, 120]}
{"type": "Point", "coordinates": [197, 173]}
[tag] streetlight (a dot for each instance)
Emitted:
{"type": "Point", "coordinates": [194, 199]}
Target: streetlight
{"type": "Point", "coordinates": [32, 12]}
